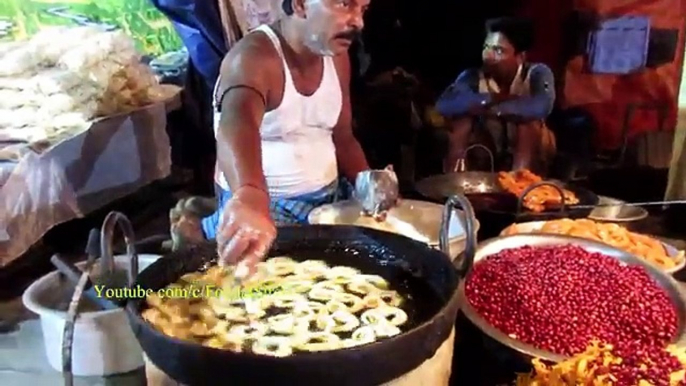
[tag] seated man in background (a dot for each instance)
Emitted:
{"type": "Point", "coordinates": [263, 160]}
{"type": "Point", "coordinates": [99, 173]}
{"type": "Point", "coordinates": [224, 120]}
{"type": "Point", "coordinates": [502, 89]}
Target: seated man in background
{"type": "Point", "coordinates": [509, 95]}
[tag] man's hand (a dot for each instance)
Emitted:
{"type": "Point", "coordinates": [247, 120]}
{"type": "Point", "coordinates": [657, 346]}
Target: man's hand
{"type": "Point", "coordinates": [500, 98]}
{"type": "Point", "coordinates": [246, 230]}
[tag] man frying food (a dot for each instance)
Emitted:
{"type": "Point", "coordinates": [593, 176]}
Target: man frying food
{"type": "Point", "coordinates": [283, 126]}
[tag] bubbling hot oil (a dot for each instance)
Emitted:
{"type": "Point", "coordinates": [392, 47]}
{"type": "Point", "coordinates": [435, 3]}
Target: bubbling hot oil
{"type": "Point", "coordinates": [403, 284]}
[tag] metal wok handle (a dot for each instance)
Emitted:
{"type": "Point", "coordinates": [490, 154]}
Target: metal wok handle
{"type": "Point", "coordinates": [106, 235]}
{"type": "Point", "coordinates": [461, 164]}
{"type": "Point", "coordinates": [520, 201]}
{"type": "Point", "coordinates": [459, 201]}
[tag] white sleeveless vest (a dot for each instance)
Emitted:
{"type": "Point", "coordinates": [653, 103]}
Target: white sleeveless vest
{"type": "Point", "coordinates": [298, 154]}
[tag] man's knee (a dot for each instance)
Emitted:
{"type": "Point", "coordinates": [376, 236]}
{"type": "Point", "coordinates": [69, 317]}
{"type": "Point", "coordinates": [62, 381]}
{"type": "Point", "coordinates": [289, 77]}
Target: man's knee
{"type": "Point", "coordinates": [461, 125]}
{"type": "Point", "coordinates": [529, 127]}
{"type": "Point", "coordinates": [535, 137]}
{"type": "Point", "coordinates": [530, 134]}
{"type": "Point", "coordinates": [459, 131]}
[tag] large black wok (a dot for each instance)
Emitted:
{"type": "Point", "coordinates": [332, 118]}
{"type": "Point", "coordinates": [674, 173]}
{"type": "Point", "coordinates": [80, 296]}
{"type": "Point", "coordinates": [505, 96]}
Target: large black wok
{"type": "Point", "coordinates": [427, 275]}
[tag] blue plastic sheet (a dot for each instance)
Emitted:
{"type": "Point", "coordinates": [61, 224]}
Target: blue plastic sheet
{"type": "Point", "coordinates": [200, 28]}
{"type": "Point", "coordinates": [620, 45]}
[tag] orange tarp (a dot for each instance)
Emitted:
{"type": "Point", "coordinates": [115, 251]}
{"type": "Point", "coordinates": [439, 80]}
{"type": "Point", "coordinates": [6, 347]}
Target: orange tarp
{"type": "Point", "coordinates": [607, 97]}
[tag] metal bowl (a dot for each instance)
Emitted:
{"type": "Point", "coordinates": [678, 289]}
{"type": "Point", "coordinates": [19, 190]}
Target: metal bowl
{"type": "Point", "coordinates": [619, 214]}
{"type": "Point", "coordinates": [417, 220]}
{"type": "Point", "coordinates": [493, 246]}
{"type": "Point", "coordinates": [535, 227]}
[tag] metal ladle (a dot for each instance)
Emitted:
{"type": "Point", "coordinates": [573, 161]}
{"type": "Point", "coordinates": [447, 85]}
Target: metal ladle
{"type": "Point", "coordinates": [377, 191]}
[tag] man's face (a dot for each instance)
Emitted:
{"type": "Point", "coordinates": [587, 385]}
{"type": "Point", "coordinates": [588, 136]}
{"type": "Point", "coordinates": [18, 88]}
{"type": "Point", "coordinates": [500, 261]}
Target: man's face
{"type": "Point", "coordinates": [499, 55]}
{"type": "Point", "coordinates": [332, 25]}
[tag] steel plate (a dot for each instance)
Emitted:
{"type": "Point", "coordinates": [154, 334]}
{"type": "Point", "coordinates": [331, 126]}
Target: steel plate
{"type": "Point", "coordinates": [493, 246]}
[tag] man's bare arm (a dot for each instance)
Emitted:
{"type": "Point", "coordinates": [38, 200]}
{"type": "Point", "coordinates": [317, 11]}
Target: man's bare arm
{"type": "Point", "coordinates": [239, 150]}
{"type": "Point", "coordinates": [349, 154]}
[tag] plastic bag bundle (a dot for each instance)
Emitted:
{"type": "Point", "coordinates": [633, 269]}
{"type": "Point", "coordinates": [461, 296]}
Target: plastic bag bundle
{"type": "Point", "coordinates": [109, 47]}
{"type": "Point", "coordinates": [18, 60]}
{"type": "Point", "coordinates": [13, 99]}
{"type": "Point", "coordinates": [70, 119]}
{"type": "Point", "coordinates": [65, 77]}
{"type": "Point", "coordinates": [20, 117]}
{"type": "Point", "coordinates": [27, 134]}
{"type": "Point", "coordinates": [8, 46]}
{"type": "Point", "coordinates": [84, 101]}
{"type": "Point", "coordinates": [17, 82]}
{"type": "Point", "coordinates": [49, 50]}
{"type": "Point", "coordinates": [53, 81]}
{"type": "Point", "coordinates": [103, 74]}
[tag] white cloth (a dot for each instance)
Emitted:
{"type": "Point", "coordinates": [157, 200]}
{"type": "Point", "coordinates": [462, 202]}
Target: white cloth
{"type": "Point", "coordinates": [298, 154]}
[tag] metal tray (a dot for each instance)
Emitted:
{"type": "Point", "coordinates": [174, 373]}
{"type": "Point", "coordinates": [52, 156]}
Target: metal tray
{"type": "Point", "coordinates": [493, 246]}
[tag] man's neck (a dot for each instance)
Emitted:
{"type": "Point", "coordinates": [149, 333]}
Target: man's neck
{"type": "Point", "coordinates": [505, 80]}
{"type": "Point", "coordinates": [301, 55]}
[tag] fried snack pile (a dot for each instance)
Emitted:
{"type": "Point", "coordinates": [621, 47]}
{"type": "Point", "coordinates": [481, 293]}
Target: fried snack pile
{"type": "Point", "coordinates": [603, 365]}
{"type": "Point", "coordinates": [285, 308]}
{"type": "Point", "coordinates": [637, 244]}
{"type": "Point", "coordinates": [539, 199]}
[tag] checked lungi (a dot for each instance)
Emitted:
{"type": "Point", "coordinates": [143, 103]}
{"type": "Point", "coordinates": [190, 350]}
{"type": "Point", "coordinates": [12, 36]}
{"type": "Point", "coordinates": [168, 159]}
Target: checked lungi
{"type": "Point", "coordinates": [287, 210]}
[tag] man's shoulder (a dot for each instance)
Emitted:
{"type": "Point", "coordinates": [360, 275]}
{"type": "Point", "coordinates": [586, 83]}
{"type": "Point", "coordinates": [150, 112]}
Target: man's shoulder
{"type": "Point", "coordinates": [539, 69]}
{"type": "Point", "coordinates": [254, 51]}
{"type": "Point", "coordinates": [472, 71]}
{"type": "Point", "coordinates": [254, 45]}
{"type": "Point", "coordinates": [469, 75]}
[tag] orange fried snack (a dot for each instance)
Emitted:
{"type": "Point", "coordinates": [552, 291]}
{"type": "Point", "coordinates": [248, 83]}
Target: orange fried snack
{"type": "Point", "coordinates": [599, 365]}
{"type": "Point", "coordinates": [539, 199]}
{"type": "Point", "coordinates": [643, 246]}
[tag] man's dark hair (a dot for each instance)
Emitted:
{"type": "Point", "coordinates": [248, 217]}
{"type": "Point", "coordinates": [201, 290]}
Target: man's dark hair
{"type": "Point", "coordinates": [287, 6]}
{"type": "Point", "coordinates": [519, 31]}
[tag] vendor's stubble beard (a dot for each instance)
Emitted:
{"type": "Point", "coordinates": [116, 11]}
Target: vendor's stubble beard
{"type": "Point", "coordinates": [318, 44]}
{"type": "Point", "coordinates": [315, 43]}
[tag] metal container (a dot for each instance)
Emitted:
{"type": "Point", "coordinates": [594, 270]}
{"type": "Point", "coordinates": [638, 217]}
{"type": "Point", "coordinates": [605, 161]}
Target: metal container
{"type": "Point", "coordinates": [493, 246]}
{"type": "Point", "coordinates": [625, 216]}
{"type": "Point", "coordinates": [417, 220]}
{"type": "Point", "coordinates": [535, 227]}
